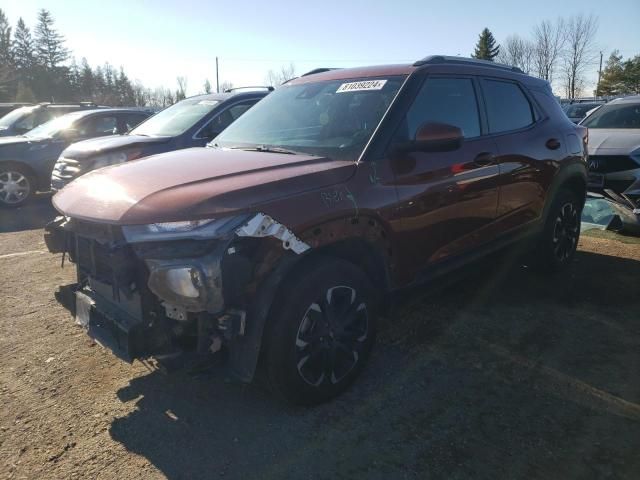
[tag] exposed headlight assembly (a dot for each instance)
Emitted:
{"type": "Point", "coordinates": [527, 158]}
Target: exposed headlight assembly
{"type": "Point", "coordinates": [189, 229]}
{"type": "Point", "coordinates": [114, 158]}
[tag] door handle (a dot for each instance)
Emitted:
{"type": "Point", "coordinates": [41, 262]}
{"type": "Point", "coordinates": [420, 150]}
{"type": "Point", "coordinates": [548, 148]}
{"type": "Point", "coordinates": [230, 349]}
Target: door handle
{"type": "Point", "coordinates": [483, 159]}
{"type": "Point", "coordinates": [553, 144]}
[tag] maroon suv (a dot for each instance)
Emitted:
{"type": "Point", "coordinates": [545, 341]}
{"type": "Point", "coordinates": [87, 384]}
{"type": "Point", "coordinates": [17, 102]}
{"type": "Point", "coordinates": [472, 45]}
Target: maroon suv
{"type": "Point", "coordinates": [279, 240]}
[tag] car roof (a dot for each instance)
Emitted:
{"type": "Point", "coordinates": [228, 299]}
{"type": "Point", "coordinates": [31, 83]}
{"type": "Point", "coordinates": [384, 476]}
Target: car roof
{"type": "Point", "coordinates": [87, 112]}
{"type": "Point", "coordinates": [631, 99]}
{"type": "Point", "coordinates": [250, 92]}
{"type": "Point", "coordinates": [357, 72]}
{"type": "Point", "coordinates": [435, 63]}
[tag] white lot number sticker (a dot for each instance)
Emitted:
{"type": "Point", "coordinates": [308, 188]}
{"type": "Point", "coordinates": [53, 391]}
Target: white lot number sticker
{"type": "Point", "coordinates": [360, 86]}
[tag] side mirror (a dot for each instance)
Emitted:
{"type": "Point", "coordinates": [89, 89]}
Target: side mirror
{"type": "Point", "coordinates": [435, 137]}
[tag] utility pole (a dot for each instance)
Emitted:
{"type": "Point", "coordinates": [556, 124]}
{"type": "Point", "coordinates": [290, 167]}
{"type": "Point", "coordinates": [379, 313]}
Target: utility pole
{"type": "Point", "coordinates": [599, 75]}
{"type": "Point", "coordinates": [218, 78]}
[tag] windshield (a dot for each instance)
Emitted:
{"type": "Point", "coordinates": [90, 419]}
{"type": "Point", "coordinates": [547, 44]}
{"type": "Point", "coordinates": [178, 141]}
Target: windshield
{"type": "Point", "coordinates": [581, 109]}
{"type": "Point", "coordinates": [176, 119]}
{"type": "Point", "coordinates": [615, 116]}
{"type": "Point", "coordinates": [21, 115]}
{"type": "Point", "coordinates": [333, 119]}
{"type": "Point", "coordinates": [52, 127]}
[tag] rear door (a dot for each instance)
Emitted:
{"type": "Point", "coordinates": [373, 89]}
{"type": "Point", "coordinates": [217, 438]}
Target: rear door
{"type": "Point", "coordinates": [448, 200]}
{"type": "Point", "coordinates": [527, 148]}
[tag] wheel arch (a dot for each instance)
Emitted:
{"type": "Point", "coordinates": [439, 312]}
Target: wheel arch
{"type": "Point", "coordinates": [21, 165]}
{"type": "Point", "coordinates": [363, 243]}
{"type": "Point", "coordinates": [574, 178]}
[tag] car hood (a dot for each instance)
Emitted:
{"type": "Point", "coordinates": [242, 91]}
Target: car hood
{"type": "Point", "coordinates": [87, 148]}
{"type": "Point", "coordinates": [193, 184]}
{"type": "Point", "coordinates": [14, 140]}
{"type": "Point", "coordinates": [606, 141]}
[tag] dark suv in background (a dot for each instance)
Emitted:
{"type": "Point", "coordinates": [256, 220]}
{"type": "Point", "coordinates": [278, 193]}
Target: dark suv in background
{"type": "Point", "coordinates": [23, 119]}
{"type": "Point", "coordinates": [192, 122]}
{"type": "Point", "coordinates": [26, 161]}
{"type": "Point", "coordinates": [280, 241]}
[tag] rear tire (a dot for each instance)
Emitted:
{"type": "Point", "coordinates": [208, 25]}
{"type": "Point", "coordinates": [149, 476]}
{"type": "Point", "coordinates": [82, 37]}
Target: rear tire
{"type": "Point", "coordinates": [558, 241]}
{"type": "Point", "coordinates": [321, 332]}
{"type": "Point", "coordinates": [17, 185]}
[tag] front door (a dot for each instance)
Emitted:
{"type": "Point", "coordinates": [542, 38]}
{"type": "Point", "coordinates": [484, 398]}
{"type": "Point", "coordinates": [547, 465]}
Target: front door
{"type": "Point", "coordinates": [447, 200]}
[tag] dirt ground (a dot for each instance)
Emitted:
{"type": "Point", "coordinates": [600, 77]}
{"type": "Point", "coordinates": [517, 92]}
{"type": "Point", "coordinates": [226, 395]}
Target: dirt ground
{"type": "Point", "coordinates": [503, 374]}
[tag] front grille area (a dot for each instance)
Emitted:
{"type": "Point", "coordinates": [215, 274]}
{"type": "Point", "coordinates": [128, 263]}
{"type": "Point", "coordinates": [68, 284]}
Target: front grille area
{"type": "Point", "coordinates": [611, 163]}
{"type": "Point", "coordinates": [65, 170]}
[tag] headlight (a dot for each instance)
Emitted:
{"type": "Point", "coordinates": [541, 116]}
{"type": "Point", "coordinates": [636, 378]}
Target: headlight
{"type": "Point", "coordinates": [191, 229]}
{"type": "Point", "coordinates": [114, 158]}
{"type": "Point", "coordinates": [177, 226]}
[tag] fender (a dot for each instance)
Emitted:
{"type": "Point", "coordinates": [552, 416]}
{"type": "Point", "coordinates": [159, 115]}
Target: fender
{"type": "Point", "coordinates": [330, 239]}
{"type": "Point", "coordinates": [568, 173]}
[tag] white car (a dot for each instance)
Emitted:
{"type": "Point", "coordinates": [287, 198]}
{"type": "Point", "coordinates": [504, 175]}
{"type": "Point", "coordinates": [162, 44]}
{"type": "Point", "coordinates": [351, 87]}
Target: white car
{"type": "Point", "coordinates": [614, 156]}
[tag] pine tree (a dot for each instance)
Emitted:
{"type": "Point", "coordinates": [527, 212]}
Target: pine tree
{"type": "Point", "coordinates": [6, 57]}
{"type": "Point", "coordinates": [23, 49]}
{"type": "Point", "coordinates": [87, 83]}
{"type": "Point", "coordinates": [486, 48]}
{"type": "Point", "coordinates": [611, 82]}
{"type": "Point", "coordinates": [7, 73]}
{"type": "Point", "coordinates": [207, 86]}
{"type": "Point", "coordinates": [49, 43]}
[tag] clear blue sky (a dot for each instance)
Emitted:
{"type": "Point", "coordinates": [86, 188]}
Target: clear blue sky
{"type": "Point", "coordinates": [157, 40]}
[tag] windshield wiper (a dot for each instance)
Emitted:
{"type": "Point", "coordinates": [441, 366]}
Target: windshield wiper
{"type": "Point", "coordinates": [267, 149]}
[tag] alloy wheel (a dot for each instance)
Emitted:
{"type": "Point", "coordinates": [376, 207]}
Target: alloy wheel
{"type": "Point", "coordinates": [331, 336]}
{"type": "Point", "coordinates": [566, 231]}
{"type": "Point", "coordinates": [14, 187]}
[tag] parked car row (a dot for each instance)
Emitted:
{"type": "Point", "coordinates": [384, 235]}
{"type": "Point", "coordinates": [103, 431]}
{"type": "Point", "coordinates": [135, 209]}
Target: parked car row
{"type": "Point", "coordinates": [26, 161]}
{"type": "Point", "coordinates": [37, 160]}
{"type": "Point", "coordinates": [281, 240]}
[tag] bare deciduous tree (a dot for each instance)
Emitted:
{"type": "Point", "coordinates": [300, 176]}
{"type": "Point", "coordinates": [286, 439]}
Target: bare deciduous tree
{"type": "Point", "coordinates": [181, 92]}
{"type": "Point", "coordinates": [275, 78]}
{"type": "Point", "coordinates": [548, 41]}
{"type": "Point", "coordinates": [517, 51]}
{"type": "Point", "coordinates": [579, 52]}
{"type": "Point", "coordinates": [226, 85]}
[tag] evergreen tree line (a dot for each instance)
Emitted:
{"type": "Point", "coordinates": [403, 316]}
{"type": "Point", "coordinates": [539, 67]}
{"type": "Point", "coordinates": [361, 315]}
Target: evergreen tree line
{"type": "Point", "coordinates": [36, 66]}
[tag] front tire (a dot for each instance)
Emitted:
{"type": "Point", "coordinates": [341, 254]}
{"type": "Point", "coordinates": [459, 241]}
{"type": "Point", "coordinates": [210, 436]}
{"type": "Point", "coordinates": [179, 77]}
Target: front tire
{"type": "Point", "coordinates": [559, 240]}
{"type": "Point", "coordinates": [321, 332]}
{"type": "Point", "coordinates": [17, 185]}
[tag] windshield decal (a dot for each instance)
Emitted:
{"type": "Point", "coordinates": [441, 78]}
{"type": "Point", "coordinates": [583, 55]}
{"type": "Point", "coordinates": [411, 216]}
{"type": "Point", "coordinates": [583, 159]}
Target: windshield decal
{"type": "Point", "coordinates": [207, 102]}
{"type": "Point", "coordinates": [360, 86]}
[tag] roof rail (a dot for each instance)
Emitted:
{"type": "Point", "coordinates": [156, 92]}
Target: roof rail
{"type": "Point", "coordinates": [229, 90]}
{"type": "Point", "coordinates": [318, 70]}
{"type": "Point", "coordinates": [440, 59]}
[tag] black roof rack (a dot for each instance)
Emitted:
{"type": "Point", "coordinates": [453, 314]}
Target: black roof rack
{"type": "Point", "coordinates": [440, 59]}
{"type": "Point", "coordinates": [229, 90]}
{"type": "Point", "coordinates": [318, 70]}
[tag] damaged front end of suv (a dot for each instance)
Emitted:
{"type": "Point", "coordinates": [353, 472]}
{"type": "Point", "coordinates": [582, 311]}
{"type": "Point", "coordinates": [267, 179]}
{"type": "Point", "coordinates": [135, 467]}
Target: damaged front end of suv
{"type": "Point", "coordinates": [165, 289]}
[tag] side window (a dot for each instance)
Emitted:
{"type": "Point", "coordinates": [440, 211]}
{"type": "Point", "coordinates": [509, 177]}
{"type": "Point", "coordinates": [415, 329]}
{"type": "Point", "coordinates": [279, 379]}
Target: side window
{"type": "Point", "coordinates": [98, 126]}
{"type": "Point", "coordinates": [507, 106]}
{"type": "Point", "coordinates": [131, 120]}
{"type": "Point", "coordinates": [224, 119]}
{"type": "Point", "coordinates": [445, 100]}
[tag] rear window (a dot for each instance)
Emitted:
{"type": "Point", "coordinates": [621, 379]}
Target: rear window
{"type": "Point", "coordinates": [507, 106]}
